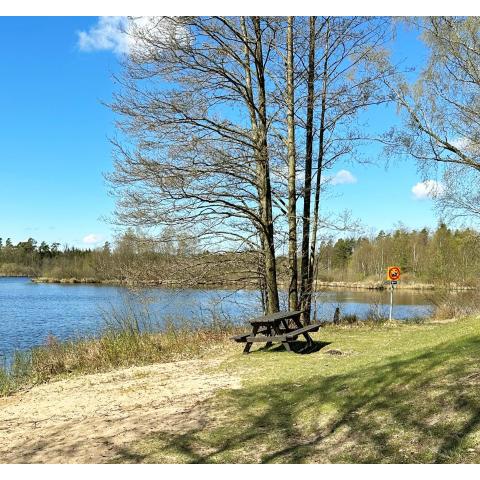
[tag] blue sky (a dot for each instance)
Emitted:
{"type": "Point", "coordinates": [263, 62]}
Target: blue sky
{"type": "Point", "coordinates": [54, 138]}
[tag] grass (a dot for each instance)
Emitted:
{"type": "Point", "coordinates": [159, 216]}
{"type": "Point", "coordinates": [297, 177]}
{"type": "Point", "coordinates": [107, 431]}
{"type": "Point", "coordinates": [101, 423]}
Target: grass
{"type": "Point", "coordinates": [391, 393]}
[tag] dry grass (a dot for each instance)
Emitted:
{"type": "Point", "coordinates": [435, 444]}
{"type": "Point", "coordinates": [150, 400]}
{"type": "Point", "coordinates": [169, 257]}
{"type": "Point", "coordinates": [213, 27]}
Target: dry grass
{"type": "Point", "coordinates": [450, 304]}
{"type": "Point", "coordinates": [130, 338]}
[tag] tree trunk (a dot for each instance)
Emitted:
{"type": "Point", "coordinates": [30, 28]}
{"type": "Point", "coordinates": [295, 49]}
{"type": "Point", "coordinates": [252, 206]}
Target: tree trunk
{"type": "Point", "coordinates": [264, 176]}
{"type": "Point", "coordinates": [307, 191]}
{"type": "Point", "coordinates": [292, 194]}
{"type": "Point", "coordinates": [254, 126]}
{"type": "Point", "coordinates": [316, 208]}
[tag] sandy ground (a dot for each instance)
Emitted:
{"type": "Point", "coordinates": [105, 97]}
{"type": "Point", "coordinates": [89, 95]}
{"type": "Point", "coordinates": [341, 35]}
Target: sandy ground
{"type": "Point", "coordinates": [91, 418]}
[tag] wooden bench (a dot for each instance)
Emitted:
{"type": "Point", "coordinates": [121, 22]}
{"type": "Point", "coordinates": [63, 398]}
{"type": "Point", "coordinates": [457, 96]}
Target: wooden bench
{"type": "Point", "coordinates": [243, 336]}
{"type": "Point", "coordinates": [314, 327]}
{"type": "Point", "coordinates": [275, 328]}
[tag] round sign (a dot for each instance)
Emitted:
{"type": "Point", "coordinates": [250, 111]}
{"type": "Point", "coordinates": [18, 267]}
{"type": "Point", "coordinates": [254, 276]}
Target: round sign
{"type": "Point", "coordinates": [393, 273]}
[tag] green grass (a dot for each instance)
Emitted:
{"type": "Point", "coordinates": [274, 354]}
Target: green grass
{"type": "Point", "coordinates": [395, 394]}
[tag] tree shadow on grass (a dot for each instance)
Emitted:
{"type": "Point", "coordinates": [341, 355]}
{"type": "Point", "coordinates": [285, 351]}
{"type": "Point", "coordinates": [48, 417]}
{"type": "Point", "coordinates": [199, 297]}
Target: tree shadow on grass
{"type": "Point", "coordinates": [421, 408]}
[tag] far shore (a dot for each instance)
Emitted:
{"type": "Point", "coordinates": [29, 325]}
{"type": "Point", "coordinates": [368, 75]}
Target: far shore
{"type": "Point", "coordinates": [319, 285]}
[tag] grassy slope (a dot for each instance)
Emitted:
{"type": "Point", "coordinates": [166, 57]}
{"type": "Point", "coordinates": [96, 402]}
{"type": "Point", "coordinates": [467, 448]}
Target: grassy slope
{"type": "Point", "coordinates": [408, 393]}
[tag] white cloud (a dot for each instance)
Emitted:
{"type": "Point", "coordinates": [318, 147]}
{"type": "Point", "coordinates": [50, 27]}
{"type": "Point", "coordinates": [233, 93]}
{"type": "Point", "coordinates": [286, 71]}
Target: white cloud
{"type": "Point", "coordinates": [124, 35]}
{"type": "Point", "coordinates": [427, 189]}
{"type": "Point", "coordinates": [109, 33]}
{"type": "Point", "coordinates": [342, 177]}
{"type": "Point", "coordinates": [92, 239]}
{"type": "Point", "coordinates": [466, 145]}
{"type": "Point", "coordinates": [461, 143]}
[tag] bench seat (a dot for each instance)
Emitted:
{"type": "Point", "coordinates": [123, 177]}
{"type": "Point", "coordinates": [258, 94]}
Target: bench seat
{"type": "Point", "coordinates": [308, 328]}
{"type": "Point", "coordinates": [266, 339]}
{"type": "Point", "coordinates": [243, 336]}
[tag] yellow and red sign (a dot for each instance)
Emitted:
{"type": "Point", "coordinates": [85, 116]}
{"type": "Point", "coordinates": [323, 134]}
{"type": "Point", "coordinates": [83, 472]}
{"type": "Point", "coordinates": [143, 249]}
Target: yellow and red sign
{"type": "Point", "coordinates": [393, 273]}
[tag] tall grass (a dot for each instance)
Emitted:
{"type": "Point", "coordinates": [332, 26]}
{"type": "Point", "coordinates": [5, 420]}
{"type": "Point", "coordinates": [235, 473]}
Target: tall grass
{"type": "Point", "coordinates": [448, 304]}
{"type": "Point", "coordinates": [131, 336]}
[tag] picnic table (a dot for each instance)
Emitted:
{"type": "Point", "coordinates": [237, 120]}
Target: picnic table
{"type": "Point", "coordinates": [277, 327]}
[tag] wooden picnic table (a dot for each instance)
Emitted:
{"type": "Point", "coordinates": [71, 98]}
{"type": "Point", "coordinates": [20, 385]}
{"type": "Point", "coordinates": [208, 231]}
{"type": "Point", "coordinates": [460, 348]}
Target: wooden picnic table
{"type": "Point", "coordinates": [276, 328]}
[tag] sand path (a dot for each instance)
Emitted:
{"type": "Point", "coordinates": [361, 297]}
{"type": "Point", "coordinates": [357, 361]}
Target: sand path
{"type": "Point", "coordinates": [91, 418]}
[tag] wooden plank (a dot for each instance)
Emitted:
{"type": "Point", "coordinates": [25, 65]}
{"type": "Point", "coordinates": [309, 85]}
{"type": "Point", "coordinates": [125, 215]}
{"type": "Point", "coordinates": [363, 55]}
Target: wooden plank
{"type": "Point", "coordinates": [275, 317]}
{"type": "Point", "coordinates": [308, 328]}
{"type": "Point", "coordinates": [243, 337]}
{"type": "Point", "coordinates": [267, 338]}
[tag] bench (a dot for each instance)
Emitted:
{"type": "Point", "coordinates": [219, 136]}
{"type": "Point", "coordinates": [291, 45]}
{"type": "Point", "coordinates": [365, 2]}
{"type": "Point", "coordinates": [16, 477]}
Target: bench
{"type": "Point", "coordinates": [243, 336]}
{"type": "Point", "coordinates": [299, 331]}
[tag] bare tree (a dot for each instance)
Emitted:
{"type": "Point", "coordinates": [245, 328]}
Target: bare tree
{"type": "Point", "coordinates": [214, 110]}
{"type": "Point", "coordinates": [346, 54]}
{"type": "Point", "coordinates": [305, 286]}
{"type": "Point", "coordinates": [292, 173]}
{"type": "Point", "coordinates": [194, 162]}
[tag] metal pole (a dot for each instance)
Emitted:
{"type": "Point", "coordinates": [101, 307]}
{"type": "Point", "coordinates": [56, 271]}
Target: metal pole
{"type": "Point", "coordinates": [391, 302]}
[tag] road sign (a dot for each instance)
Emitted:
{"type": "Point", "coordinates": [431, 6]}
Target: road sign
{"type": "Point", "coordinates": [393, 273]}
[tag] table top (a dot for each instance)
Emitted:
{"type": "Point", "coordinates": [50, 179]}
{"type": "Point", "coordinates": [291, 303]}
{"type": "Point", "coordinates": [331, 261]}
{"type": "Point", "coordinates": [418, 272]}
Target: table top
{"type": "Point", "coordinates": [275, 317]}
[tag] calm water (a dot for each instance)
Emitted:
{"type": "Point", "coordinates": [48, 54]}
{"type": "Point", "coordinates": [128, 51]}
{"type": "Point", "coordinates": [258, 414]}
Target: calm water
{"type": "Point", "coordinates": [30, 312]}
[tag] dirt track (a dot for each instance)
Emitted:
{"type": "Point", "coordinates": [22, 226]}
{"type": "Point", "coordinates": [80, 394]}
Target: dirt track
{"type": "Point", "coordinates": [90, 418]}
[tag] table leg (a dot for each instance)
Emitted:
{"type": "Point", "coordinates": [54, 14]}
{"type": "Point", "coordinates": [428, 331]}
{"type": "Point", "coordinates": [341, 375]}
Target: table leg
{"type": "Point", "coordinates": [269, 333]}
{"type": "Point", "coordinates": [248, 345]}
{"type": "Point", "coordinates": [277, 330]}
{"type": "Point", "coordinates": [285, 325]}
{"type": "Point", "coordinates": [308, 338]}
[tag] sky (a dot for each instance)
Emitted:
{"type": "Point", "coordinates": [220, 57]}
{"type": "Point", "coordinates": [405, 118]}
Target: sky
{"type": "Point", "coordinates": [56, 75]}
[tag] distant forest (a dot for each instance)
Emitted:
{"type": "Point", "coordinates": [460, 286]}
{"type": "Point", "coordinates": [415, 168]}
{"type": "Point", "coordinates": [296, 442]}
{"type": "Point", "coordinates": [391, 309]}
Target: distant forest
{"type": "Point", "coordinates": [442, 256]}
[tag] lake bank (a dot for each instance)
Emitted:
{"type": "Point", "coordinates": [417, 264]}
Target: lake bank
{"type": "Point", "coordinates": [393, 393]}
{"type": "Point", "coordinates": [319, 285]}
{"type": "Point", "coordinates": [380, 285]}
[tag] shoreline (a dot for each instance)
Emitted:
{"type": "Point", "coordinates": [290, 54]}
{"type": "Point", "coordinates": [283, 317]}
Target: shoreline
{"type": "Point", "coordinates": [319, 285]}
{"type": "Point", "coordinates": [400, 286]}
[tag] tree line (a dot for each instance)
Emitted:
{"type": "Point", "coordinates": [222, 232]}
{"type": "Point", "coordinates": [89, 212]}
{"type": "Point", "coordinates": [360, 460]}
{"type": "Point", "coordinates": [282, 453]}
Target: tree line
{"type": "Point", "coordinates": [441, 257]}
{"type": "Point", "coordinates": [172, 259]}
{"type": "Point", "coordinates": [31, 258]}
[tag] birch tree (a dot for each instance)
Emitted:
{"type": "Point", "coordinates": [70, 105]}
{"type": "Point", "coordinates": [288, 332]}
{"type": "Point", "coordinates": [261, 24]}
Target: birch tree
{"type": "Point", "coordinates": [343, 79]}
{"type": "Point", "coordinates": [441, 111]}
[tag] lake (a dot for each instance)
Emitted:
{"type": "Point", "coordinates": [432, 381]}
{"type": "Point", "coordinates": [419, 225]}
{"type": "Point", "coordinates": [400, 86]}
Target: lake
{"type": "Point", "coordinates": [30, 312]}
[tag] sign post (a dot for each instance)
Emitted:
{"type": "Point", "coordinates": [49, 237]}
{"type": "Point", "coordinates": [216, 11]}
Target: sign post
{"type": "Point", "coordinates": [393, 275]}
{"type": "Point", "coordinates": [391, 303]}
